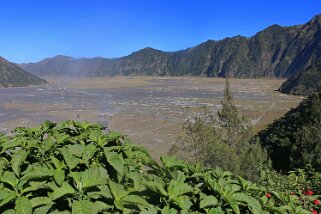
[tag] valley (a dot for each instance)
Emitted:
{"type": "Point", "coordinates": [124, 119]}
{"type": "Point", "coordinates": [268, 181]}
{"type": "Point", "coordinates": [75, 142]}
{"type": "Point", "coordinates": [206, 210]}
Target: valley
{"type": "Point", "coordinates": [147, 109]}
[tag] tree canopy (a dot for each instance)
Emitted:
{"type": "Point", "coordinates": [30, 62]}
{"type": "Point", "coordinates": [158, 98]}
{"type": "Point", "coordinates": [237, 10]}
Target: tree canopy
{"type": "Point", "coordinates": [221, 141]}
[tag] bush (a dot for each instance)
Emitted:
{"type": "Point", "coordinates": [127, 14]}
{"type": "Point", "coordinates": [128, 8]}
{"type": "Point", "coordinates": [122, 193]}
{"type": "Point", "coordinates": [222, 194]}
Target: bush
{"type": "Point", "coordinates": [75, 167]}
{"type": "Point", "coordinates": [305, 184]}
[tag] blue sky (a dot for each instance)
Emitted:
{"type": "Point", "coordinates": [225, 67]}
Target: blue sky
{"type": "Point", "coordinates": [31, 30]}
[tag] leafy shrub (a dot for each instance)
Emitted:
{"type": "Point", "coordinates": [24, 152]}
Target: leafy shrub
{"type": "Point", "coordinates": [75, 167]}
{"type": "Point", "coordinates": [305, 184]}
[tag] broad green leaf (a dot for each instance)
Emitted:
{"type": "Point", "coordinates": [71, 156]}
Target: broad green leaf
{"type": "Point", "coordinates": [76, 149]}
{"type": "Point", "coordinates": [9, 178]}
{"type": "Point", "coordinates": [233, 204]}
{"type": "Point", "coordinates": [151, 210]}
{"type": "Point", "coordinates": [113, 148]}
{"type": "Point", "coordinates": [99, 206]}
{"type": "Point", "coordinates": [105, 192]}
{"type": "Point", "coordinates": [112, 136]}
{"type": "Point", "coordinates": [61, 137]}
{"type": "Point", "coordinates": [22, 184]}
{"type": "Point", "coordinates": [10, 144]}
{"type": "Point", "coordinates": [176, 189]}
{"type": "Point", "coordinates": [47, 125]}
{"type": "Point", "coordinates": [42, 210]}
{"type": "Point", "coordinates": [59, 176]}
{"type": "Point", "coordinates": [253, 204]}
{"type": "Point", "coordinates": [119, 205]}
{"type": "Point", "coordinates": [135, 200]}
{"type": "Point", "coordinates": [213, 185]}
{"type": "Point", "coordinates": [11, 211]}
{"type": "Point", "coordinates": [168, 210]}
{"type": "Point", "coordinates": [89, 152]}
{"type": "Point", "coordinates": [117, 190]}
{"type": "Point", "coordinates": [178, 176]}
{"type": "Point", "coordinates": [183, 202]}
{"type": "Point", "coordinates": [137, 178]}
{"type": "Point", "coordinates": [77, 178]}
{"type": "Point", "coordinates": [208, 201]}
{"type": "Point", "coordinates": [94, 176]}
{"type": "Point", "coordinates": [216, 210]}
{"type": "Point", "coordinates": [58, 164]}
{"type": "Point", "coordinates": [34, 185]}
{"type": "Point", "coordinates": [37, 173]}
{"type": "Point", "coordinates": [23, 206]}
{"type": "Point", "coordinates": [6, 197]}
{"type": "Point", "coordinates": [94, 135]}
{"type": "Point", "coordinates": [81, 207]}
{"type": "Point", "coordinates": [117, 162]}
{"type": "Point", "coordinates": [141, 154]}
{"type": "Point", "coordinates": [171, 162]}
{"type": "Point", "coordinates": [230, 188]}
{"type": "Point", "coordinates": [48, 143]}
{"type": "Point", "coordinates": [59, 192]}
{"type": "Point", "coordinates": [30, 143]}
{"type": "Point", "coordinates": [17, 159]}
{"type": "Point", "coordinates": [40, 201]}
{"type": "Point", "coordinates": [70, 159]}
{"type": "Point", "coordinates": [156, 187]}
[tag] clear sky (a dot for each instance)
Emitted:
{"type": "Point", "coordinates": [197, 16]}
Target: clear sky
{"type": "Point", "coordinates": [31, 30]}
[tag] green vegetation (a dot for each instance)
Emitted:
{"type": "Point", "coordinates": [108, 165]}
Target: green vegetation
{"type": "Point", "coordinates": [274, 52]}
{"type": "Point", "coordinates": [305, 82]}
{"type": "Point", "coordinates": [304, 184]}
{"type": "Point", "coordinates": [295, 182]}
{"type": "Point", "coordinates": [79, 167]}
{"type": "Point", "coordinates": [75, 167]}
{"type": "Point", "coordinates": [224, 142]}
{"type": "Point", "coordinates": [294, 140]}
{"type": "Point", "coordinates": [13, 75]}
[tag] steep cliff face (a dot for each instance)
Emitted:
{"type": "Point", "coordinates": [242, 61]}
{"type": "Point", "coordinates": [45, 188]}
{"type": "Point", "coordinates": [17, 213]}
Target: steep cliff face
{"type": "Point", "coordinates": [276, 51]}
{"type": "Point", "coordinates": [304, 50]}
{"type": "Point", "coordinates": [12, 75]}
{"type": "Point", "coordinates": [304, 82]}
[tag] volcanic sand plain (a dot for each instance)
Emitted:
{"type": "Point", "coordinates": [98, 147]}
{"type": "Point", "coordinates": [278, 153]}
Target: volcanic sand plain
{"type": "Point", "coordinates": [147, 109]}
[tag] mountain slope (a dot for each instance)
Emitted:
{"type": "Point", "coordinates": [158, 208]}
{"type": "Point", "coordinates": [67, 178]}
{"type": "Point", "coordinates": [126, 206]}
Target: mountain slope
{"type": "Point", "coordinates": [305, 82]}
{"type": "Point", "coordinates": [294, 140]}
{"type": "Point", "coordinates": [276, 51]}
{"type": "Point", "coordinates": [12, 75]}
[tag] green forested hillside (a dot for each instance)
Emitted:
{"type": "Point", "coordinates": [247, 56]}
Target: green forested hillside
{"type": "Point", "coordinates": [276, 51]}
{"type": "Point", "coordinates": [13, 75]}
{"type": "Point", "coordinates": [294, 140]}
{"type": "Point", "coordinates": [305, 82]}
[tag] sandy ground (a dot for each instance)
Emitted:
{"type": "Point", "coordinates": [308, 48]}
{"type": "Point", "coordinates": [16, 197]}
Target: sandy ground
{"type": "Point", "coordinates": [147, 109]}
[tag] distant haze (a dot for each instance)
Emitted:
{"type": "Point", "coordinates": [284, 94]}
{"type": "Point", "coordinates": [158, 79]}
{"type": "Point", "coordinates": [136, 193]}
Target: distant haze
{"type": "Point", "coordinates": [35, 29]}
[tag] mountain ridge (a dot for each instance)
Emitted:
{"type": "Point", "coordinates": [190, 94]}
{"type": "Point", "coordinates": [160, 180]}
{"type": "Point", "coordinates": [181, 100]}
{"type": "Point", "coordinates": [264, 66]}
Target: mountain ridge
{"type": "Point", "coordinates": [275, 51]}
{"type": "Point", "coordinates": [11, 75]}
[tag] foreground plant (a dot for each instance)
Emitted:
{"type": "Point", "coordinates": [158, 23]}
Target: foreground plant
{"type": "Point", "coordinates": [76, 167]}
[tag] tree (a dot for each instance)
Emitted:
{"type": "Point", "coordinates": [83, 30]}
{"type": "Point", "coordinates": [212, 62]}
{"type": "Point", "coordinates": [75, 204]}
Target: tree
{"type": "Point", "coordinates": [222, 141]}
{"type": "Point", "coordinates": [236, 127]}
